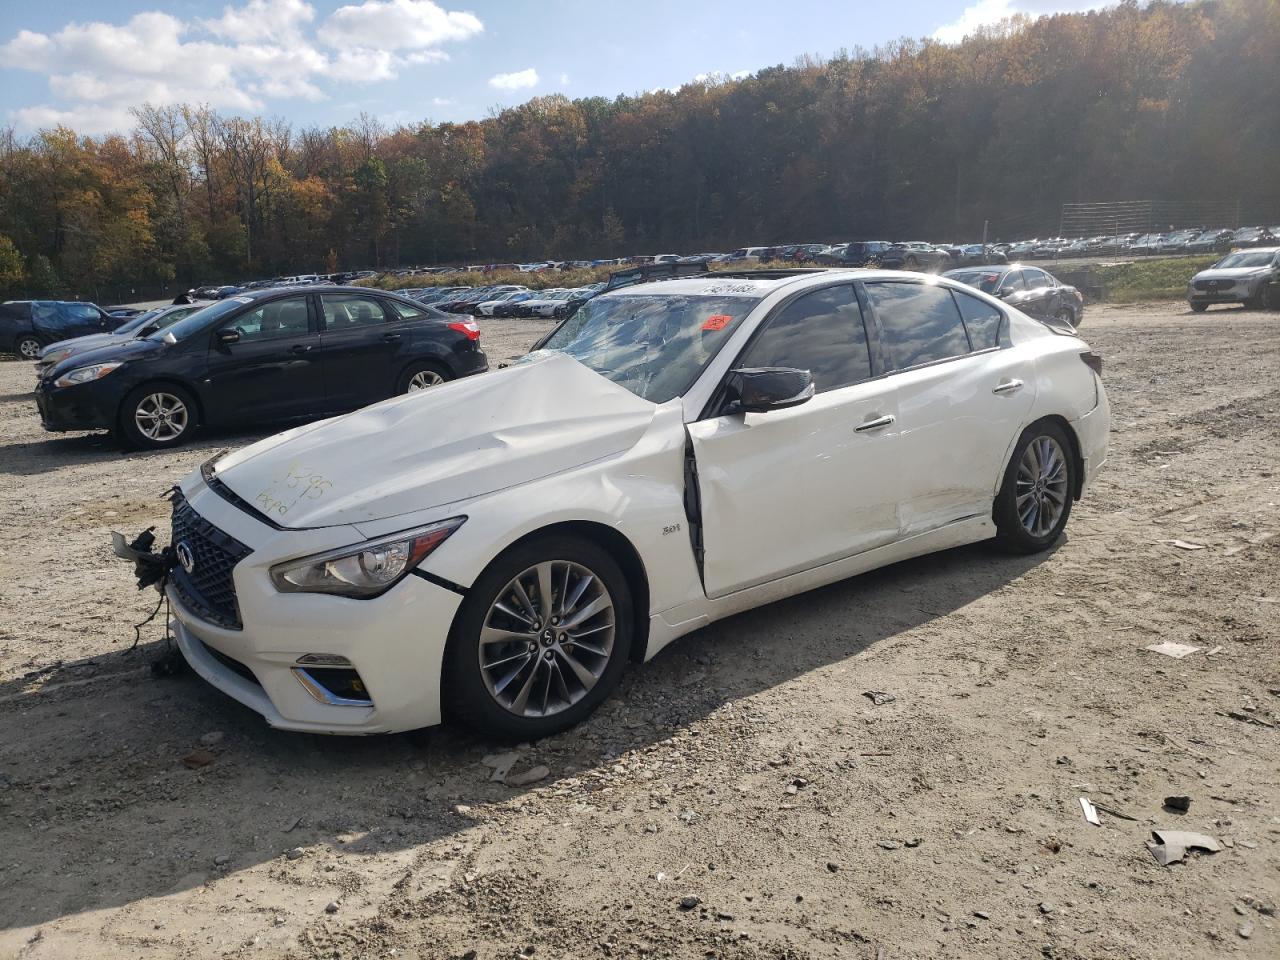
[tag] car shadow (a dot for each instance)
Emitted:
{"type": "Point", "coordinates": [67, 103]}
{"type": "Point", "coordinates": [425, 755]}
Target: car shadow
{"type": "Point", "coordinates": [101, 810]}
{"type": "Point", "coordinates": [61, 450]}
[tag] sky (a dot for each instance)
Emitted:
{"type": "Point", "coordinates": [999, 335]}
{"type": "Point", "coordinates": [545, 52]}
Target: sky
{"type": "Point", "coordinates": [85, 63]}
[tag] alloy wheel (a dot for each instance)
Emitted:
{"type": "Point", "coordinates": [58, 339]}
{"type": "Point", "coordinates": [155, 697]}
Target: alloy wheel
{"type": "Point", "coordinates": [28, 349]}
{"type": "Point", "coordinates": [1041, 492]}
{"type": "Point", "coordinates": [161, 417]}
{"type": "Point", "coordinates": [547, 638]}
{"type": "Point", "coordinates": [423, 380]}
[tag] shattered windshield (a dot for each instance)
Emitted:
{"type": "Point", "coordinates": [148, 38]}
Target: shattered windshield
{"type": "Point", "coordinates": [653, 345]}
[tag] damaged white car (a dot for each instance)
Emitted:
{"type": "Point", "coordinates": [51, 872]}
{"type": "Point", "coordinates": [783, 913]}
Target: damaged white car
{"type": "Point", "coordinates": [498, 548]}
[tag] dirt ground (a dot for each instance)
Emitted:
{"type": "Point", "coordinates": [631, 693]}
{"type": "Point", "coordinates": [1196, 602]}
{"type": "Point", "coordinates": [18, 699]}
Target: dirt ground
{"type": "Point", "coordinates": [743, 773]}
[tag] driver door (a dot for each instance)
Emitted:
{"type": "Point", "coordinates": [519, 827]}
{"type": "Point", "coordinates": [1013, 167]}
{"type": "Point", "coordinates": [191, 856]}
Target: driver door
{"type": "Point", "coordinates": [273, 371]}
{"type": "Point", "coordinates": [791, 489]}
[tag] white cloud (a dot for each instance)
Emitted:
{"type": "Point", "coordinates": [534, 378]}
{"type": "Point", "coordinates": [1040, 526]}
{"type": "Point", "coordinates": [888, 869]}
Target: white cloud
{"type": "Point", "coordinates": [564, 79]}
{"type": "Point", "coordinates": [262, 50]}
{"type": "Point", "coordinates": [987, 12]}
{"type": "Point", "coordinates": [515, 81]}
{"type": "Point", "coordinates": [739, 74]}
{"type": "Point", "coordinates": [397, 25]}
{"type": "Point", "coordinates": [260, 20]}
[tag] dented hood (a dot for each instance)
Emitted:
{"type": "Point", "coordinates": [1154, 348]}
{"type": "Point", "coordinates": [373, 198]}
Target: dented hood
{"type": "Point", "coordinates": [461, 440]}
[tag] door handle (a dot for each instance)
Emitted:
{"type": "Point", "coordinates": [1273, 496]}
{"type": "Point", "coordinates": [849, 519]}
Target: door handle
{"type": "Point", "coordinates": [1007, 386]}
{"type": "Point", "coordinates": [391, 337]}
{"type": "Point", "coordinates": [875, 424]}
{"type": "Point", "coordinates": [300, 348]}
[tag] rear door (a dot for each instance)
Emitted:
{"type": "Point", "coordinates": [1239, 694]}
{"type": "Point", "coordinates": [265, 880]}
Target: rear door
{"type": "Point", "coordinates": [361, 345]}
{"type": "Point", "coordinates": [81, 319]}
{"type": "Point", "coordinates": [272, 371]}
{"type": "Point", "coordinates": [962, 394]}
{"type": "Point", "coordinates": [1042, 293]}
{"type": "Point", "coordinates": [791, 489]}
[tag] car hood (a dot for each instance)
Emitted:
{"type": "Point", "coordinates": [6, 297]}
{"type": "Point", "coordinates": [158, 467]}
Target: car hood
{"type": "Point", "coordinates": [467, 438]}
{"type": "Point", "coordinates": [118, 348]}
{"type": "Point", "coordinates": [90, 341]}
{"type": "Point", "coordinates": [1230, 273]}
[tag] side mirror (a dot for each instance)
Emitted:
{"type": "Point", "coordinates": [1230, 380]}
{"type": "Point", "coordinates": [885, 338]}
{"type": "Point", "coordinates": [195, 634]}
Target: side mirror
{"type": "Point", "coordinates": [229, 336]}
{"type": "Point", "coordinates": [761, 389]}
{"type": "Point", "coordinates": [1004, 292]}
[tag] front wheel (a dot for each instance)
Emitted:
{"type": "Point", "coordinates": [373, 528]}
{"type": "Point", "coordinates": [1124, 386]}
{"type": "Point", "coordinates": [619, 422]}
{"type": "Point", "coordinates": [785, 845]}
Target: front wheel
{"type": "Point", "coordinates": [157, 416]}
{"type": "Point", "coordinates": [1199, 307]}
{"type": "Point", "coordinates": [541, 639]}
{"type": "Point", "coordinates": [1035, 499]}
{"type": "Point", "coordinates": [27, 347]}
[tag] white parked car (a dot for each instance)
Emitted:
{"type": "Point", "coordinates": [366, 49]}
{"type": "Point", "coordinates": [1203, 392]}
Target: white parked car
{"type": "Point", "coordinates": [498, 548]}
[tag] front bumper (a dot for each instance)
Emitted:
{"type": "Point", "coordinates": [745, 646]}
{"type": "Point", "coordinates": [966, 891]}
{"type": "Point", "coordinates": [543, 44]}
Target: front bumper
{"type": "Point", "coordinates": [395, 642]}
{"type": "Point", "coordinates": [86, 406]}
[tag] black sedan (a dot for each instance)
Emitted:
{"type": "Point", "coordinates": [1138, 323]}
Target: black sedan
{"type": "Point", "coordinates": [1030, 289]}
{"type": "Point", "coordinates": [269, 355]}
{"type": "Point", "coordinates": [914, 255]}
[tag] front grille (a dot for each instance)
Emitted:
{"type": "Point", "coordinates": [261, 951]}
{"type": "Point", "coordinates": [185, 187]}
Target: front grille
{"type": "Point", "coordinates": [1214, 284]}
{"type": "Point", "coordinates": [208, 589]}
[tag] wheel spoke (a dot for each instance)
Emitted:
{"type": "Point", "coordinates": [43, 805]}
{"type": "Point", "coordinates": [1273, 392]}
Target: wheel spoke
{"type": "Point", "coordinates": [525, 602]}
{"type": "Point", "coordinates": [545, 597]}
{"type": "Point", "coordinates": [507, 611]}
{"type": "Point", "coordinates": [521, 702]}
{"type": "Point", "coordinates": [492, 634]}
{"type": "Point", "coordinates": [581, 588]}
{"type": "Point", "coordinates": [583, 614]}
{"type": "Point", "coordinates": [585, 676]}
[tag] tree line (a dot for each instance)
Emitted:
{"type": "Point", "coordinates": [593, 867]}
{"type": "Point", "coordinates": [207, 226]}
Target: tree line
{"type": "Point", "coordinates": [916, 139]}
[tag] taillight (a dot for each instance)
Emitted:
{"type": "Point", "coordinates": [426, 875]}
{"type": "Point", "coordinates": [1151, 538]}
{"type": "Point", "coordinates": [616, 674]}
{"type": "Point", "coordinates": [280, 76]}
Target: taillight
{"type": "Point", "coordinates": [1093, 361]}
{"type": "Point", "coordinates": [467, 327]}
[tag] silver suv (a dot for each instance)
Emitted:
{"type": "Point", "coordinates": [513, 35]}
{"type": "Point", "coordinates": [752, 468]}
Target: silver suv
{"type": "Point", "coordinates": [1251, 277]}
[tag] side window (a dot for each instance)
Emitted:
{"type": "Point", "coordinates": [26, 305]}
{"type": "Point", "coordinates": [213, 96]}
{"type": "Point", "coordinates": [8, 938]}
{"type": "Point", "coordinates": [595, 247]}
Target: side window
{"type": "Point", "coordinates": [1013, 281]}
{"type": "Point", "coordinates": [983, 321]}
{"type": "Point", "coordinates": [409, 313]}
{"type": "Point", "coordinates": [343, 311]}
{"type": "Point", "coordinates": [821, 332]}
{"type": "Point", "coordinates": [1037, 279]}
{"type": "Point", "coordinates": [272, 321]}
{"type": "Point", "coordinates": [80, 312]}
{"type": "Point", "coordinates": [919, 323]}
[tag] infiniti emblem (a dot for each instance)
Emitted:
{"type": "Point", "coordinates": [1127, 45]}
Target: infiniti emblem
{"type": "Point", "coordinates": [185, 556]}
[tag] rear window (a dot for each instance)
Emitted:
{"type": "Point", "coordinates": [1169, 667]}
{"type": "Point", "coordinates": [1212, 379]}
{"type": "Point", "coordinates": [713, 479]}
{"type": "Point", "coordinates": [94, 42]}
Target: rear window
{"type": "Point", "coordinates": [919, 323]}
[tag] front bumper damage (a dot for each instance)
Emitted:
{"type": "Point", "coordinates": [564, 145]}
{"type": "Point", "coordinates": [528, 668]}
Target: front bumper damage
{"type": "Point", "coordinates": [305, 662]}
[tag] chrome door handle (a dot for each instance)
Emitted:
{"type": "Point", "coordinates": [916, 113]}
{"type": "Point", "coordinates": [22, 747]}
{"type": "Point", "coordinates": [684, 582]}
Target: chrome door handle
{"type": "Point", "coordinates": [875, 424]}
{"type": "Point", "coordinates": [1008, 386]}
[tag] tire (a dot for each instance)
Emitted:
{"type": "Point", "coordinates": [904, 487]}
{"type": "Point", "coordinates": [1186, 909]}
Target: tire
{"type": "Point", "coordinates": [157, 416]}
{"type": "Point", "coordinates": [1040, 521]}
{"type": "Point", "coordinates": [422, 376]}
{"type": "Point", "coordinates": [526, 700]}
{"type": "Point", "coordinates": [1199, 307]}
{"type": "Point", "coordinates": [27, 347]}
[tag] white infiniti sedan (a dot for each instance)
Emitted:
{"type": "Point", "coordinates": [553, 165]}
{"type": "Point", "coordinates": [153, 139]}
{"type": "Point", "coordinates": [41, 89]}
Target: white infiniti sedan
{"type": "Point", "coordinates": [496, 549]}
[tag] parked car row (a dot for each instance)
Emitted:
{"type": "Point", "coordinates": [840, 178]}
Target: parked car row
{"type": "Point", "coordinates": [504, 300]}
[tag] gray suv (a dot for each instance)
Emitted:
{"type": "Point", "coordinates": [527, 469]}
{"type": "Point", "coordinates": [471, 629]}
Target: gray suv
{"type": "Point", "coordinates": [1251, 277]}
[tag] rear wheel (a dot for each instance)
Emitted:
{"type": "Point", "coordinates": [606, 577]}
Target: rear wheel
{"type": "Point", "coordinates": [541, 639]}
{"type": "Point", "coordinates": [27, 347]}
{"type": "Point", "coordinates": [1035, 499]}
{"type": "Point", "coordinates": [422, 376]}
{"type": "Point", "coordinates": [157, 416]}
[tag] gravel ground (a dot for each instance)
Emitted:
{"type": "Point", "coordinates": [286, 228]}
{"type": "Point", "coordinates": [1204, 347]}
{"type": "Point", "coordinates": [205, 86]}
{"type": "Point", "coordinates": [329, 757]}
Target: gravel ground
{"type": "Point", "coordinates": [740, 797]}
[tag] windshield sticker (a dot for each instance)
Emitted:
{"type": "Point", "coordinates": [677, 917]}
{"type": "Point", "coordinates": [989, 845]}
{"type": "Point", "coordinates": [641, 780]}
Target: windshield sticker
{"type": "Point", "coordinates": [718, 322]}
{"type": "Point", "coordinates": [243, 299]}
{"type": "Point", "coordinates": [749, 286]}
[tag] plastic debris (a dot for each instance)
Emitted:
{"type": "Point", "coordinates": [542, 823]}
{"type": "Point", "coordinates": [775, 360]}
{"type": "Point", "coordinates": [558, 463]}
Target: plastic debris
{"type": "Point", "coordinates": [1090, 811]}
{"type": "Point", "coordinates": [879, 697]}
{"type": "Point", "coordinates": [1171, 846]}
{"type": "Point", "coordinates": [1171, 649]}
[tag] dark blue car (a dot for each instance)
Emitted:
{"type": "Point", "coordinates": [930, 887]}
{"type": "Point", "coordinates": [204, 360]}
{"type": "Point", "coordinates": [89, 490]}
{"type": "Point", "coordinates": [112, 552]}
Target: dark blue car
{"type": "Point", "coordinates": [261, 356]}
{"type": "Point", "coordinates": [28, 325]}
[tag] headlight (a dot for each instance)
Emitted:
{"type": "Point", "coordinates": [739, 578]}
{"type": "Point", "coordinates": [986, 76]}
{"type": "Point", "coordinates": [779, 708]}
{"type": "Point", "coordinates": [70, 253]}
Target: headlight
{"type": "Point", "coordinates": [87, 374]}
{"type": "Point", "coordinates": [55, 356]}
{"type": "Point", "coordinates": [365, 570]}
